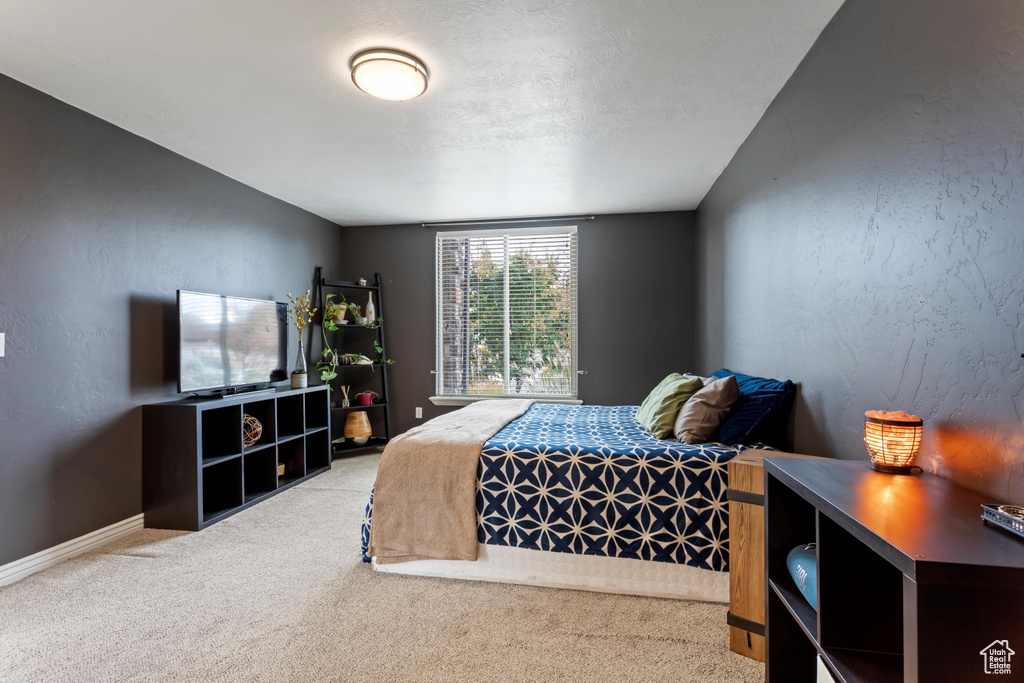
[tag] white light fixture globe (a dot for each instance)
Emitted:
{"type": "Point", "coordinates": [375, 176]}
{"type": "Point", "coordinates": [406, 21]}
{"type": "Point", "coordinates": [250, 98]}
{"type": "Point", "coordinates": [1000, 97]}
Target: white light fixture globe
{"type": "Point", "coordinates": [389, 74]}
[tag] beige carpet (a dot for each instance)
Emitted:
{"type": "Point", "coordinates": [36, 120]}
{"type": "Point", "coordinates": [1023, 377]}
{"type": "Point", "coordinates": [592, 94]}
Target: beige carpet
{"type": "Point", "coordinates": [278, 593]}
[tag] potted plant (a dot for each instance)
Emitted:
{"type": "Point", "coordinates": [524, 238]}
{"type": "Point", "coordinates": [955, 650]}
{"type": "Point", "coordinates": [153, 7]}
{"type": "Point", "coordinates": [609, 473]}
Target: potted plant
{"type": "Point", "coordinates": [301, 316]}
{"type": "Point", "coordinates": [334, 313]}
{"type": "Point", "coordinates": [367, 398]}
{"type": "Point", "coordinates": [357, 314]}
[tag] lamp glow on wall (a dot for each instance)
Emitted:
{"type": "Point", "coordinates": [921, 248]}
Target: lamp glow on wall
{"type": "Point", "coordinates": [892, 440]}
{"type": "Point", "coordinates": [389, 74]}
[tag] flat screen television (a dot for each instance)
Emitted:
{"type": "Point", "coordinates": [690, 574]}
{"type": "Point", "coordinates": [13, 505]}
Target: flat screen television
{"type": "Point", "coordinates": [228, 343]}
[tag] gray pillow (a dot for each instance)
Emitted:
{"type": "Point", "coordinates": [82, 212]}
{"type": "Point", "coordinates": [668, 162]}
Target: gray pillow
{"type": "Point", "coordinates": [699, 418]}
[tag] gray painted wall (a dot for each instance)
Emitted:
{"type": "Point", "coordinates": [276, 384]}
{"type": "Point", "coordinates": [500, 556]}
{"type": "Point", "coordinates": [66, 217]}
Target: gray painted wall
{"type": "Point", "coordinates": [867, 240]}
{"type": "Point", "coordinates": [637, 305]}
{"type": "Point", "coordinates": [98, 228]}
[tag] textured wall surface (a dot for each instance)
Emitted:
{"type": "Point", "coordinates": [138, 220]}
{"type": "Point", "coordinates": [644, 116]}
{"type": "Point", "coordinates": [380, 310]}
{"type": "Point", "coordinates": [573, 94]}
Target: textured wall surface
{"type": "Point", "coordinates": [867, 240]}
{"type": "Point", "coordinates": [98, 228]}
{"type": "Point", "coordinates": [564, 106]}
{"type": "Point", "coordinates": [637, 305]}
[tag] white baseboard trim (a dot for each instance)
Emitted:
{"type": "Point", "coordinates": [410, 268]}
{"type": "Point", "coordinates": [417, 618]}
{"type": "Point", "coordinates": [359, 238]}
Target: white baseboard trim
{"type": "Point", "coordinates": [19, 569]}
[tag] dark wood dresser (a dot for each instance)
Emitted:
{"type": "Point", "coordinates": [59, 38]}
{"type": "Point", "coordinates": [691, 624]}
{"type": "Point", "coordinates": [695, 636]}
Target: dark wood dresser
{"type": "Point", "coordinates": [911, 585]}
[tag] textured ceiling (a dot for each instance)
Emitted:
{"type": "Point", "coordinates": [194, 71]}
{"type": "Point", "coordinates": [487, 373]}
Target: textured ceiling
{"type": "Point", "coordinates": [535, 107]}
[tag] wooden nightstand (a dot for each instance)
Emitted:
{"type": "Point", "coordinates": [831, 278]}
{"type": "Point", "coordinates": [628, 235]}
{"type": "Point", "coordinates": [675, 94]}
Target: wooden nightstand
{"type": "Point", "coordinates": [746, 551]}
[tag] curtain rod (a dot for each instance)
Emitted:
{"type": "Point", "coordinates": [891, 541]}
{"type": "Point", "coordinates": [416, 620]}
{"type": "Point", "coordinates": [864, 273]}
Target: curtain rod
{"type": "Point", "coordinates": [506, 221]}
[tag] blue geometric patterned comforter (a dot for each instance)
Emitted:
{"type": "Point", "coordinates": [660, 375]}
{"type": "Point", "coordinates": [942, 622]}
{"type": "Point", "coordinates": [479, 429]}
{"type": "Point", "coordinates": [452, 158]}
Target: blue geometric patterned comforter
{"type": "Point", "coordinates": [590, 480]}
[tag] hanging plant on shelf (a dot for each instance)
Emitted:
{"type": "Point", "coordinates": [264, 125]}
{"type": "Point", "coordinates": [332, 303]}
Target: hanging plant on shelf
{"type": "Point", "coordinates": [334, 314]}
{"type": "Point", "coordinates": [380, 353]}
{"type": "Point", "coordinates": [328, 366]}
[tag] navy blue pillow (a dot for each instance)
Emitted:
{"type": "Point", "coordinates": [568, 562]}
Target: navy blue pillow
{"type": "Point", "coordinates": [761, 412]}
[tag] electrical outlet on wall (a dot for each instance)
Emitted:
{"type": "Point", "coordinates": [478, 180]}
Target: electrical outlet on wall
{"type": "Point", "coordinates": [419, 413]}
{"type": "Point", "coordinates": [2, 335]}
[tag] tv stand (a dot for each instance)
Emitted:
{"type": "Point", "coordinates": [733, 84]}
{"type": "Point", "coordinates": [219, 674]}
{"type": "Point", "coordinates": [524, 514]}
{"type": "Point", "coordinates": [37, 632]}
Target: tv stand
{"type": "Point", "coordinates": [196, 470]}
{"type": "Point", "coordinates": [214, 394]}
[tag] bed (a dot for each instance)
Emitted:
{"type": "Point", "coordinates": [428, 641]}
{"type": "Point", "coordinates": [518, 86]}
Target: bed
{"type": "Point", "coordinates": [584, 497]}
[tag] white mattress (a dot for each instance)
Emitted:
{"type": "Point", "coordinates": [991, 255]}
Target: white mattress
{"type": "Point", "coordinates": [507, 564]}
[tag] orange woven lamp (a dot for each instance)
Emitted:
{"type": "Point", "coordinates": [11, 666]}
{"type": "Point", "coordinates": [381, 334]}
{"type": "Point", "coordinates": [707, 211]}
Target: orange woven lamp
{"type": "Point", "coordinates": [892, 440]}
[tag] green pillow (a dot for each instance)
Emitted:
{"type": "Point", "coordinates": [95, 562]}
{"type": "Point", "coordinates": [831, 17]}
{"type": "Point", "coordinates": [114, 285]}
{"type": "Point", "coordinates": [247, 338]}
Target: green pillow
{"type": "Point", "coordinates": [658, 411]}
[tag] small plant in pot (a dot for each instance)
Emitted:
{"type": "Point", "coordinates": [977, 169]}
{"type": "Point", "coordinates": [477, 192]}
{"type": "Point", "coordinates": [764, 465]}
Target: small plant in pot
{"type": "Point", "coordinates": [334, 312]}
{"type": "Point", "coordinates": [357, 314]}
{"type": "Point", "coordinates": [367, 398]}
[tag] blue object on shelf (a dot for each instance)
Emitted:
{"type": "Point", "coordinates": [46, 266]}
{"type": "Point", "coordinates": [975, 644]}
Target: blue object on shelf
{"type": "Point", "coordinates": [802, 563]}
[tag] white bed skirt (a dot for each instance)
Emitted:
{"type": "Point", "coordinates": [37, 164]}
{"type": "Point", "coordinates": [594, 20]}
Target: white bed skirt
{"type": "Point", "coordinates": [507, 564]}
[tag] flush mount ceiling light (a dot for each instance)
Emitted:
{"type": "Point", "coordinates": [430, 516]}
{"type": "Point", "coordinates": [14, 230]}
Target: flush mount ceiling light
{"type": "Point", "coordinates": [389, 74]}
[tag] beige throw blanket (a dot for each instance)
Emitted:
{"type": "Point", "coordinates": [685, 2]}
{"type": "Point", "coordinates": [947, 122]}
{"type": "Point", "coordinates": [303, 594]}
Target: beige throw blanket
{"type": "Point", "coordinates": [424, 501]}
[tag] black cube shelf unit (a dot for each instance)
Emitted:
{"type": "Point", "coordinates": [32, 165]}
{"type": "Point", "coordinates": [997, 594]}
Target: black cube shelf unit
{"type": "Point", "coordinates": [195, 469]}
{"type": "Point", "coordinates": [912, 586]}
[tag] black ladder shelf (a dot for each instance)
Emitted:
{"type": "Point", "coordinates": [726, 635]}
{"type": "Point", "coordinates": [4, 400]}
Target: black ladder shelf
{"type": "Point", "coordinates": [357, 373]}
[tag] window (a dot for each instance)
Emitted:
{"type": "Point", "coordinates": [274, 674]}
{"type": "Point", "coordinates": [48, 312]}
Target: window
{"type": "Point", "coordinates": [506, 313]}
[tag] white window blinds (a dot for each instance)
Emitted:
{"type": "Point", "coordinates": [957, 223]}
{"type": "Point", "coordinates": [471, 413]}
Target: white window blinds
{"type": "Point", "coordinates": [506, 312]}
